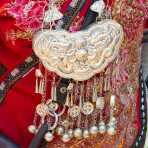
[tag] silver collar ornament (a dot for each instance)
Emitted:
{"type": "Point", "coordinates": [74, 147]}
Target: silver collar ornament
{"type": "Point", "coordinates": [79, 55]}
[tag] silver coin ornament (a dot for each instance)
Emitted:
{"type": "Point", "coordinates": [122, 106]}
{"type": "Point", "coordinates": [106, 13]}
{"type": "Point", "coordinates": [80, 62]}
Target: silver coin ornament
{"type": "Point", "coordinates": [74, 111]}
{"type": "Point", "coordinates": [87, 108]}
{"type": "Point", "coordinates": [53, 106]}
{"type": "Point", "coordinates": [42, 110]}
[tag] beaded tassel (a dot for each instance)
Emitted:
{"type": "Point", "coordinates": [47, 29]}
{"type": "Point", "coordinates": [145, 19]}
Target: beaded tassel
{"type": "Point", "coordinates": [36, 86]}
{"type": "Point", "coordinates": [39, 76]}
{"type": "Point", "coordinates": [69, 92]}
{"type": "Point", "coordinates": [41, 86]}
{"type": "Point", "coordinates": [112, 121]}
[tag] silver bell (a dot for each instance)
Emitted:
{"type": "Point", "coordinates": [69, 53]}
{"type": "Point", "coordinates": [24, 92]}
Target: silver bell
{"type": "Point", "coordinates": [70, 132]}
{"type": "Point", "coordinates": [48, 137]}
{"type": "Point", "coordinates": [66, 137]}
{"type": "Point", "coordinates": [102, 127]}
{"type": "Point", "coordinates": [94, 130]}
{"type": "Point", "coordinates": [60, 130]}
{"type": "Point", "coordinates": [111, 130]}
{"type": "Point", "coordinates": [78, 133]}
{"type": "Point", "coordinates": [86, 133]}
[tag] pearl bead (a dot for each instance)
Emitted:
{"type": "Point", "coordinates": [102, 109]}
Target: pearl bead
{"type": "Point", "coordinates": [94, 130]}
{"type": "Point", "coordinates": [70, 132]}
{"type": "Point", "coordinates": [78, 133]}
{"type": "Point", "coordinates": [60, 130]}
{"type": "Point", "coordinates": [48, 137]}
{"type": "Point", "coordinates": [32, 129]}
{"type": "Point", "coordinates": [111, 124]}
{"type": "Point", "coordinates": [111, 130]}
{"type": "Point", "coordinates": [66, 137]}
{"type": "Point", "coordinates": [86, 133]}
{"type": "Point", "coordinates": [102, 127]}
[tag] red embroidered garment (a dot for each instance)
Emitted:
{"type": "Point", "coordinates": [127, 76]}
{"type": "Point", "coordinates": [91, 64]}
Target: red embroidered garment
{"type": "Point", "coordinates": [16, 32]}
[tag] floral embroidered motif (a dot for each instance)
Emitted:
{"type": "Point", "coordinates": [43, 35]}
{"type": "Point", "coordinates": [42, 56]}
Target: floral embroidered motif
{"type": "Point", "coordinates": [28, 14]}
{"type": "Point", "coordinates": [17, 34]}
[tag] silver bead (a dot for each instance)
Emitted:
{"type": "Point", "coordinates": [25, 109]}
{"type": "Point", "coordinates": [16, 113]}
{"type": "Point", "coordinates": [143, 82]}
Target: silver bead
{"type": "Point", "coordinates": [66, 137]}
{"type": "Point", "coordinates": [102, 127]}
{"type": "Point", "coordinates": [38, 73]}
{"type": "Point", "coordinates": [113, 120]}
{"type": "Point", "coordinates": [111, 130]}
{"type": "Point", "coordinates": [86, 133]}
{"type": "Point", "coordinates": [78, 133]}
{"type": "Point", "coordinates": [112, 124]}
{"type": "Point", "coordinates": [48, 136]}
{"type": "Point", "coordinates": [70, 132]}
{"type": "Point", "coordinates": [32, 129]}
{"type": "Point", "coordinates": [60, 130]}
{"type": "Point", "coordinates": [94, 130]}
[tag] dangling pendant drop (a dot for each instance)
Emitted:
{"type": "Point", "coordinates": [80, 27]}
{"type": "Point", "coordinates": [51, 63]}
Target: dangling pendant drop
{"type": "Point", "coordinates": [52, 14]}
{"type": "Point", "coordinates": [98, 7]}
{"type": "Point", "coordinates": [38, 75]}
{"type": "Point", "coordinates": [112, 123]}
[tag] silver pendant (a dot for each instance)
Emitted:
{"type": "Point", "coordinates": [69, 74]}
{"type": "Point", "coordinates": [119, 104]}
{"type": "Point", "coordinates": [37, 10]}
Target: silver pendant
{"type": "Point", "coordinates": [74, 111]}
{"type": "Point", "coordinates": [87, 108]}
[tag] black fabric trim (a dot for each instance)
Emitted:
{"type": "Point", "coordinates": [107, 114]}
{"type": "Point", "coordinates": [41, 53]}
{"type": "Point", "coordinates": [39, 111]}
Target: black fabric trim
{"type": "Point", "coordinates": [145, 37]}
{"type": "Point", "coordinates": [90, 18]}
{"type": "Point", "coordinates": [6, 142]}
{"type": "Point", "coordinates": [38, 139]}
{"type": "Point", "coordinates": [73, 13]}
{"type": "Point", "coordinates": [12, 78]}
{"type": "Point", "coordinates": [140, 140]}
{"type": "Point", "coordinates": [3, 69]}
{"type": "Point", "coordinates": [146, 81]}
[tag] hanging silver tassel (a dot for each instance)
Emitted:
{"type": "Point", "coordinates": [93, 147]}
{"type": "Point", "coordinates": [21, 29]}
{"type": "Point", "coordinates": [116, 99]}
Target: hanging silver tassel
{"type": "Point", "coordinates": [54, 93]}
{"type": "Point", "coordinates": [38, 75]}
{"type": "Point", "coordinates": [41, 86]}
{"type": "Point", "coordinates": [36, 86]}
{"type": "Point", "coordinates": [67, 99]}
{"type": "Point", "coordinates": [70, 91]}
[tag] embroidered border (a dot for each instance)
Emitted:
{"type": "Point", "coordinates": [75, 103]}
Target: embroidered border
{"type": "Point", "coordinates": [17, 74]}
